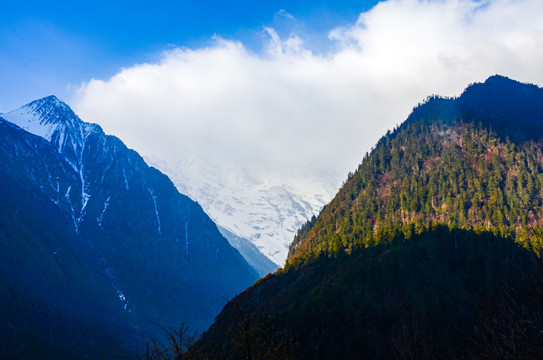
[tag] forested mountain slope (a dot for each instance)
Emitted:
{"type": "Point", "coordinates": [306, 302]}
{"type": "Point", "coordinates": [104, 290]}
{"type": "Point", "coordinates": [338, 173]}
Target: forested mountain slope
{"type": "Point", "coordinates": [475, 162]}
{"type": "Point", "coordinates": [429, 250]}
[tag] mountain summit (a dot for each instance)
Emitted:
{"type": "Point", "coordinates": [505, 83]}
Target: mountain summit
{"type": "Point", "coordinates": [99, 251]}
{"type": "Point", "coordinates": [54, 121]}
{"type": "Point", "coordinates": [45, 117]}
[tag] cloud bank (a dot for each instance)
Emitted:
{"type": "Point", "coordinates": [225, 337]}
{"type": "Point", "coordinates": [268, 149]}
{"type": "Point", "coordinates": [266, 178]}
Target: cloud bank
{"type": "Point", "coordinates": [293, 110]}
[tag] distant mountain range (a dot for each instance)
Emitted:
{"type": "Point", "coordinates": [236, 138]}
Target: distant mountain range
{"type": "Point", "coordinates": [99, 252]}
{"type": "Point", "coordinates": [432, 249]}
{"type": "Point", "coordinates": [265, 211]}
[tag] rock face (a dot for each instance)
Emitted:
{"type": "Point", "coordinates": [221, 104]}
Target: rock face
{"type": "Point", "coordinates": [97, 243]}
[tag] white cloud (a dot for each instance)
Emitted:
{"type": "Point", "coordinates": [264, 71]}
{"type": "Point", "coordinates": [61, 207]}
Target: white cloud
{"type": "Point", "coordinates": [289, 110]}
{"type": "Point", "coordinates": [282, 13]}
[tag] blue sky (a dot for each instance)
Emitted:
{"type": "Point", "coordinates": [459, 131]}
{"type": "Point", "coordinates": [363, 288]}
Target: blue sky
{"type": "Point", "coordinates": [52, 46]}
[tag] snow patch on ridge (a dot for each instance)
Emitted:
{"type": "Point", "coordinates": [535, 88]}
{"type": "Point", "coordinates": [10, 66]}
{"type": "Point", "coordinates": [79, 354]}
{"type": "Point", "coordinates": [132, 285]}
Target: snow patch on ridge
{"type": "Point", "coordinates": [156, 210]}
{"type": "Point", "coordinates": [100, 218]}
{"type": "Point", "coordinates": [72, 210]}
{"type": "Point", "coordinates": [126, 180]}
{"type": "Point", "coordinates": [122, 297]}
{"type": "Point", "coordinates": [186, 239]}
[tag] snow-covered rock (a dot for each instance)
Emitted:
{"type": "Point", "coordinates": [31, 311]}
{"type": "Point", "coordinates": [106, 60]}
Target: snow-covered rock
{"type": "Point", "coordinates": [54, 121]}
{"type": "Point", "coordinates": [267, 210]}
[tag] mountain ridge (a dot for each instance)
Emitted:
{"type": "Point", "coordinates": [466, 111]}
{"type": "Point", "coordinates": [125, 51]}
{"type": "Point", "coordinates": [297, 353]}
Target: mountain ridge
{"type": "Point", "coordinates": [151, 255]}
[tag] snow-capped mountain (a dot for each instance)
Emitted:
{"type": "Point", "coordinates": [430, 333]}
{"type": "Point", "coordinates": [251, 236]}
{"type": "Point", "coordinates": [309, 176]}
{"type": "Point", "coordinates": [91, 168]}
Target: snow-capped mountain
{"type": "Point", "coordinates": [266, 210]}
{"type": "Point", "coordinates": [54, 121]}
{"type": "Point", "coordinates": [97, 243]}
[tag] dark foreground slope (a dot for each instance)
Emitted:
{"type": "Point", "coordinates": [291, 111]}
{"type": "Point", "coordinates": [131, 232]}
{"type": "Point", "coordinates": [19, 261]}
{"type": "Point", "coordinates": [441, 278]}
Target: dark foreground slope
{"type": "Point", "coordinates": [440, 295]}
{"type": "Point", "coordinates": [98, 251]}
{"type": "Point", "coordinates": [429, 250]}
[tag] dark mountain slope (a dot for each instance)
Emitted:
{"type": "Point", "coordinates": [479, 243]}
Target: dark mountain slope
{"type": "Point", "coordinates": [55, 302]}
{"type": "Point", "coordinates": [91, 232]}
{"type": "Point", "coordinates": [416, 257]}
{"type": "Point", "coordinates": [441, 295]}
